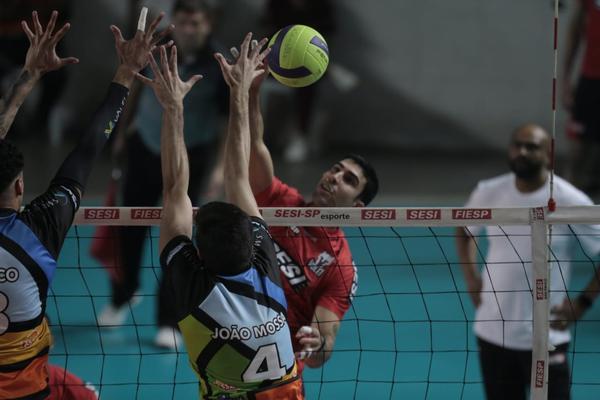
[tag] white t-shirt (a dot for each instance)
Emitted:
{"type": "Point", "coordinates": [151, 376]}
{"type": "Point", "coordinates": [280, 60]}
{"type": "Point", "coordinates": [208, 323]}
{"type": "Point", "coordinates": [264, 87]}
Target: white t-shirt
{"type": "Point", "coordinates": [504, 316]}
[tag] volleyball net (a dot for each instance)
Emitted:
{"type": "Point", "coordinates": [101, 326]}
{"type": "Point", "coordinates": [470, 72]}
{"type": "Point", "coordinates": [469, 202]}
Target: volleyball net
{"type": "Point", "coordinates": [409, 331]}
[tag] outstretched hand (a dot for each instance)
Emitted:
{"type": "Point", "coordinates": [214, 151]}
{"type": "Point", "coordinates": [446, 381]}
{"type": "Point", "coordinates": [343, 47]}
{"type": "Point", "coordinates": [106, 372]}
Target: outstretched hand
{"type": "Point", "coordinates": [41, 56]}
{"type": "Point", "coordinates": [170, 90]}
{"type": "Point", "coordinates": [247, 66]}
{"type": "Point", "coordinates": [264, 66]}
{"type": "Point", "coordinates": [133, 53]}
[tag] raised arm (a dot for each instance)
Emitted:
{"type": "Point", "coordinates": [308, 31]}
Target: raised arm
{"type": "Point", "coordinates": [133, 56]}
{"type": "Point", "coordinates": [261, 162]}
{"type": "Point", "coordinates": [239, 78]}
{"type": "Point", "coordinates": [574, 34]}
{"type": "Point", "coordinates": [41, 58]}
{"type": "Point", "coordinates": [170, 91]}
{"type": "Point", "coordinates": [466, 249]}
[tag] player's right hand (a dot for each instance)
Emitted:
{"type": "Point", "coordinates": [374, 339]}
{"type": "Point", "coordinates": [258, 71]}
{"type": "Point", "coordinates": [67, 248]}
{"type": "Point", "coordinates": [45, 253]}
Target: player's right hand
{"type": "Point", "coordinates": [168, 87]}
{"type": "Point", "coordinates": [246, 67]}
{"type": "Point", "coordinates": [41, 56]}
{"type": "Point", "coordinates": [133, 53]}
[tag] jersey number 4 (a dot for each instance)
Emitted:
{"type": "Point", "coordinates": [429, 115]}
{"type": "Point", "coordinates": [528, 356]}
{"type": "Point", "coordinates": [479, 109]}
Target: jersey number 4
{"type": "Point", "coordinates": [265, 365]}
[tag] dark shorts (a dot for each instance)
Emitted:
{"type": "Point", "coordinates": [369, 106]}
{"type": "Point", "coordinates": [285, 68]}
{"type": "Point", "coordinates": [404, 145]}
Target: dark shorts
{"type": "Point", "coordinates": [585, 116]}
{"type": "Point", "coordinates": [507, 373]}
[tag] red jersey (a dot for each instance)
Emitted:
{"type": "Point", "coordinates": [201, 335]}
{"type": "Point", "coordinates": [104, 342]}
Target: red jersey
{"type": "Point", "coordinates": [591, 58]}
{"type": "Point", "coordinates": [316, 264]}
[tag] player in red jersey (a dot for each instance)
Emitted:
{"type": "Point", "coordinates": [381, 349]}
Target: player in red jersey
{"type": "Point", "coordinates": [316, 263]}
{"type": "Point", "coordinates": [584, 102]}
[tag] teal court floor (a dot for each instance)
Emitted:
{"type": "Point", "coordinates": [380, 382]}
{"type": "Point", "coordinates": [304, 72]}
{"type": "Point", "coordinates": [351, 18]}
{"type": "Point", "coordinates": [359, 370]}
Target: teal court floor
{"type": "Point", "coordinates": [408, 334]}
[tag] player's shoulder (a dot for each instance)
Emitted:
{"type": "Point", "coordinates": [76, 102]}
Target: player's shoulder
{"type": "Point", "coordinates": [568, 194]}
{"type": "Point", "coordinates": [499, 182]}
{"type": "Point", "coordinates": [179, 245]}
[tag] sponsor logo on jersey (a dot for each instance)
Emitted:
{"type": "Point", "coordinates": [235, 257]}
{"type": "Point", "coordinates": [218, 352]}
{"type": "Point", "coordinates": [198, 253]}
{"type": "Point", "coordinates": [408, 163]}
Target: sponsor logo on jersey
{"type": "Point", "coordinates": [472, 213]}
{"type": "Point", "coordinates": [224, 386]}
{"type": "Point", "coordinates": [371, 214]}
{"type": "Point", "coordinates": [354, 287]}
{"type": "Point", "coordinates": [9, 275]}
{"type": "Point", "coordinates": [318, 265]}
{"type": "Point", "coordinates": [145, 213]}
{"type": "Point", "coordinates": [290, 270]}
{"type": "Point", "coordinates": [101, 213]}
{"type": "Point", "coordinates": [423, 214]}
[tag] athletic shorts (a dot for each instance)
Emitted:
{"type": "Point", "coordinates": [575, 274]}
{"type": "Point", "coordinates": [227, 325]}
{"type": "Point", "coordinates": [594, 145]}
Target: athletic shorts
{"type": "Point", "coordinates": [585, 117]}
{"type": "Point", "coordinates": [291, 390]}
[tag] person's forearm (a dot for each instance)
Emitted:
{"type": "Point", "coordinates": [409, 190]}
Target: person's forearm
{"type": "Point", "coordinates": [14, 98]}
{"type": "Point", "coordinates": [256, 120]}
{"type": "Point", "coordinates": [174, 159]}
{"type": "Point", "coordinates": [237, 150]}
{"type": "Point", "coordinates": [78, 164]}
{"type": "Point", "coordinates": [593, 286]}
{"type": "Point", "coordinates": [321, 355]}
{"type": "Point", "coordinates": [261, 165]}
{"type": "Point", "coordinates": [124, 76]}
{"type": "Point", "coordinates": [465, 247]}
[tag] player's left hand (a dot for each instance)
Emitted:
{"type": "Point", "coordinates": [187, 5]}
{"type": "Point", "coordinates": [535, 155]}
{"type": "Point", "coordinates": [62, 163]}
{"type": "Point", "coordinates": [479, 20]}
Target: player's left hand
{"type": "Point", "coordinates": [565, 313]}
{"type": "Point", "coordinates": [311, 340]}
{"type": "Point", "coordinates": [41, 56]}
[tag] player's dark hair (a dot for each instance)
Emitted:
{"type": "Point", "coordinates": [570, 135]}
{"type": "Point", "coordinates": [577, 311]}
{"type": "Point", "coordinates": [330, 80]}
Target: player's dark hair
{"type": "Point", "coordinates": [11, 163]}
{"type": "Point", "coordinates": [372, 185]}
{"type": "Point", "coordinates": [224, 237]}
{"type": "Point", "coordinates": [193, 6]}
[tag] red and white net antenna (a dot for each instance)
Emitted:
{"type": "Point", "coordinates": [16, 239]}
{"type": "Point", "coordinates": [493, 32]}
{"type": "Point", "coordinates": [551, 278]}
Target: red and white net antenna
{"type": "Point", "coordinates": [551, 201]}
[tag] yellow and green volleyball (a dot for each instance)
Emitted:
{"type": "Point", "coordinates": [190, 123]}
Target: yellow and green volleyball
{"type": "Point", "coordinates": [299, 56]}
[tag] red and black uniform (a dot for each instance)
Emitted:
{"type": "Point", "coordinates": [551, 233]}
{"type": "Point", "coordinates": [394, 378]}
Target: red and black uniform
{"type": "Point", "coordinates": [315, 263]}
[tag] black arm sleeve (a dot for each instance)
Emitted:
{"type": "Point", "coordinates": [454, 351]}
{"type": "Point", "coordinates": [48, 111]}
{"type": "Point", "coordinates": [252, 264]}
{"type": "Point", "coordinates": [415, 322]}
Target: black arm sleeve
{"type": "Point", "coordinates": [187, 281]}
{"type": "Point", "coordinates": [264, 257]}
{"type": "Point", "coordinates": [77, 166]}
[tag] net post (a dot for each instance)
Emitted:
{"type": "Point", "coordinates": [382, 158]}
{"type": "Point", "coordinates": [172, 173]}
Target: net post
{"type": "Point", "coordinates": [541, 309]}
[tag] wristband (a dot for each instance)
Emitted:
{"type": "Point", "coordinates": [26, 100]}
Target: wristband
{"type": "Point", "coordinates": [320, 348]}
{"type": "Point", "coordinates": [584, 301]}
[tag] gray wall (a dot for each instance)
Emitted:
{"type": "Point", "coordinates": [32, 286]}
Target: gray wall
{"type": "Point", "coordinates": [432, 73]}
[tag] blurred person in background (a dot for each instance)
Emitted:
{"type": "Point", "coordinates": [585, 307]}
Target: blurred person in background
{"type": "Point", "coordinates": [205, 114]}
{"type": "Point", "coordinates": [14, 46]}
{"type": "Point", "coordinates": [583, 102]}
{"type": "Point", "coordinates": [318, 14]}
{"type": "Point", "coordinates": [501, 292]}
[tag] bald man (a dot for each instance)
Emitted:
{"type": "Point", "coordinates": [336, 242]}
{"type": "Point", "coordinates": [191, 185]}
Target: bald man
{"type": "Point", "coordinates": [501, 291]}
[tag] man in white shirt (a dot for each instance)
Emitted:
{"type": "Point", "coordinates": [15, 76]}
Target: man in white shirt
{"type": "Point", "coordinates": [501, 292]}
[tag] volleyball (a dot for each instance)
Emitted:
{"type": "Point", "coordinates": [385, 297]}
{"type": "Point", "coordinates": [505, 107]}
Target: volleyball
{"type": "Point", "coordinates": [299, 56]}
